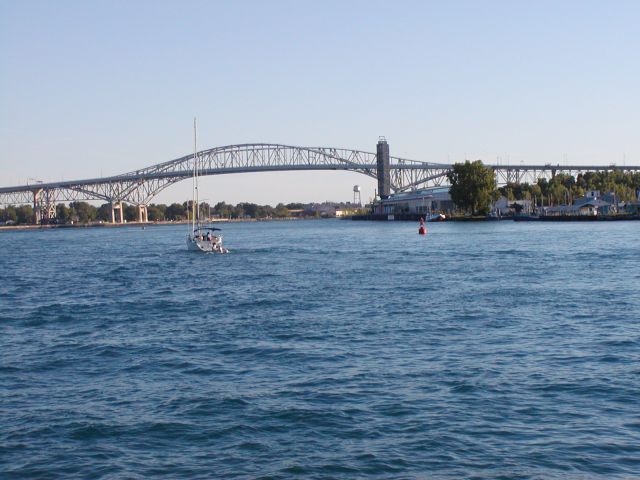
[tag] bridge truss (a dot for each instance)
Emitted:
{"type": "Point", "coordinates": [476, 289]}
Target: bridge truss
{"type": "Point", "coordinates": [139, 187]}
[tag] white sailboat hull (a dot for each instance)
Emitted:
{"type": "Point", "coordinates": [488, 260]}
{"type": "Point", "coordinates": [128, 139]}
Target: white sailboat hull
{"type": "Point", "coordinates": [197, 245]}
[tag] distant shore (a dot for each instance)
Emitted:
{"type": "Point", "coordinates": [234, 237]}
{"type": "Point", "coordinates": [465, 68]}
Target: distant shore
{"type": "Point", "coordinates": [414, 217]}
{"type": "Point", "coordinates": [142, 224]}
{"type": "Point", "coordinates": [372, 217]}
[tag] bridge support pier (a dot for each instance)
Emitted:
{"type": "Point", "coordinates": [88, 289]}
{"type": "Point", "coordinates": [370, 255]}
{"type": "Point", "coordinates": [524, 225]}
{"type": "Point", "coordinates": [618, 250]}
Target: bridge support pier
{"type": "Point", "coordinates": [44, 206]}
{"type": "Point", "coordinates": [114, 207]}
{"type": "Point", "coordinates": [143, 215]}
{"type": "Point", "coordinates": [36, 206]}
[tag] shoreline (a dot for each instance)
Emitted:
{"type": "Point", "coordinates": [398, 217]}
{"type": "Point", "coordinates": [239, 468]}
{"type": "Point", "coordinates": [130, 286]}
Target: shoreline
{"type": "Point", "coordinates": [369, 218]}
{"type": "Point", "coordinates": [414, 217]}
{"type": "Point", "coordinates": [142, 224]}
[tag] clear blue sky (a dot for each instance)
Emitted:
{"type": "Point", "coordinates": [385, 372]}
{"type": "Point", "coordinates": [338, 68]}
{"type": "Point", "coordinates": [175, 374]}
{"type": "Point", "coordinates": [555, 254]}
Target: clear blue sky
{"type": "Point", "coordinates": [91, 88]}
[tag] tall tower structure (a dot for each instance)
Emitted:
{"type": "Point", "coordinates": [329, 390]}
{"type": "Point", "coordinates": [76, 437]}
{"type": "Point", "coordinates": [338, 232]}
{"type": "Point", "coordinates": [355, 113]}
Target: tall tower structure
{"type": "Point", "coordinates": [384, 173]}
{"type": "Point", "coordinates": [356, 195]}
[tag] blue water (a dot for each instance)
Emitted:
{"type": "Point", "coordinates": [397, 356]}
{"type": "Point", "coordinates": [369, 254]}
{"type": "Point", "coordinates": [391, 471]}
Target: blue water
{"type": "Point", "coordinates": [322, 349]}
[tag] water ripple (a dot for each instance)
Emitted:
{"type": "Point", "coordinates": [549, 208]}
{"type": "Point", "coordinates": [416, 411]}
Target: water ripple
{"type": "Point", "coordinates": [482, 351]}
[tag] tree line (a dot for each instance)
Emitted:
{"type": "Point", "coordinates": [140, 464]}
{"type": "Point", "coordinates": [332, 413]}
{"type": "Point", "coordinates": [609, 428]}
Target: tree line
{"type": "Point", "coordinates": [473, 187]}
{"type": "Point", "coordinates": [83, 212]}
{"type": "Point", "coordinates": [564, 188]}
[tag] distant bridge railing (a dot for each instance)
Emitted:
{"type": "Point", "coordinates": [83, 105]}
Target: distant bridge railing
{"type": "Point", "coordinates": [140, 186]}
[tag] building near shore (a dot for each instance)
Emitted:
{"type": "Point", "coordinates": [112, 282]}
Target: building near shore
{"type": "Point", "coordinates": [591, 205]}
{"type": "Point", "coordinates": [589, 208]}
{"type": "Point", "coordinates": [422, 202]}
{"type": "Point", "coordinates": [505, 207]}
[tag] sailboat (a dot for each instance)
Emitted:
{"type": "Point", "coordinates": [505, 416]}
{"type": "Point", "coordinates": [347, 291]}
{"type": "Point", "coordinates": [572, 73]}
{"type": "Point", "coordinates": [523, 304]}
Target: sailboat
{"type": "Point", "coordinates": [201, 238]}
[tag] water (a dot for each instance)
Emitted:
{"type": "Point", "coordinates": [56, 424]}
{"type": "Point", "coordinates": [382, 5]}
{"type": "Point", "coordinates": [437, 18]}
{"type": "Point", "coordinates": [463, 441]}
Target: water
{"type": "Point", "coordinates": [322, 349]}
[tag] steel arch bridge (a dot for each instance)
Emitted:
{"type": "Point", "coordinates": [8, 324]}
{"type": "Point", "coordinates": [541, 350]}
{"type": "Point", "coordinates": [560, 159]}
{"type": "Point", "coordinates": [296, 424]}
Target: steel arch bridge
{"type": "Point", "coordinates": [140, 186]}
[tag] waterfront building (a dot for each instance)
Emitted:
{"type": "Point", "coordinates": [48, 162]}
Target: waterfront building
{"type": "Point", "coordinates": [586, 206]}
{"type": "Point", "coordinates": [504, 207]}
{"type": "Point", "coordinates": [330, 209]}
{"type": "Point", "coordinates": [587, 209]}
{"type": "Point", "coordinates": [422, 202]}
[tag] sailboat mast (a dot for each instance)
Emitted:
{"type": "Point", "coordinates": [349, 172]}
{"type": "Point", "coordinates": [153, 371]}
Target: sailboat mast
{"type": "Point", "coordinates": [195, 176]}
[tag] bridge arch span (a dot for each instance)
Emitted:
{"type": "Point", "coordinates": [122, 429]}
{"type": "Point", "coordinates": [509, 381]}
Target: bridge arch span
{"type": "Point", "coordinates": [140, 186]}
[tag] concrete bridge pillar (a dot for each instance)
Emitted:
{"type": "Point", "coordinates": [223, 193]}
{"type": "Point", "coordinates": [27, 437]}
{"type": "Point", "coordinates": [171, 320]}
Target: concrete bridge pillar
{"type": "Point", "coordinates": [114, 207]}
{"type": "Point", "coordinates": [143, 216]}
{"type": "Point", "coordinates": [36, 206]}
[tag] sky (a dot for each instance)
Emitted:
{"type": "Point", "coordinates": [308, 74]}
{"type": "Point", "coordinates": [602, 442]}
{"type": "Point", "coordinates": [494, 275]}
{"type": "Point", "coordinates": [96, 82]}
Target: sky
{"type": "Point", "coordinates": [95, 88]}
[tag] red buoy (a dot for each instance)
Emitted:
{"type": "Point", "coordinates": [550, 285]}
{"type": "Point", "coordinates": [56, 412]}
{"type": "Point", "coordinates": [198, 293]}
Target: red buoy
{"type": "Point", "coordinates": [422, 230]}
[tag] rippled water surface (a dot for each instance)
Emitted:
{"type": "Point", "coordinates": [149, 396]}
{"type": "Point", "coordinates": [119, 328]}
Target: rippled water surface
{"type": "Point", "coordinates": [322, 349]}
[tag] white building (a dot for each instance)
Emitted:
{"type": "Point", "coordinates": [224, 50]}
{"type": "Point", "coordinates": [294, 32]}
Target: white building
{"type": "Point", "coordinates": [423, 202]}
{"type": "Point", "coordinates": [504, 206]}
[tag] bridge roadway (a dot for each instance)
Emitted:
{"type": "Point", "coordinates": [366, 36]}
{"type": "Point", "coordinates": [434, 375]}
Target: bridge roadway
{"type": "Point", "coordinates": [140, 186]}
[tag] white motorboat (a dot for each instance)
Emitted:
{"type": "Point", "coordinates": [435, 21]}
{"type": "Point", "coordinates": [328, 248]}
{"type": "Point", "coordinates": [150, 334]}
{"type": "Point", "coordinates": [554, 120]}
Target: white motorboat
{"type": "Point", "coordinates": [437, 217]}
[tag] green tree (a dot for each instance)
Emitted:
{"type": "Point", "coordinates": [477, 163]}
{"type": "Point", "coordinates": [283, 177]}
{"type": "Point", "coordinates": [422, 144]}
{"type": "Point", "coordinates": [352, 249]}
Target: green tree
{"type": "Point", "coordinates": [63, 213]}
{"type": "Point", "coordinates": [581, 182]}
{"type": "Point", "coordinates": [295, 206]}
{"type": "Point", "coordinates": [223, 210]}
{"type": "Point", "coordinates": [130, 213]}
{"type": "Point", "coordinates": [564, 179]}
{"type": "Point", "coordinates": [10, 214]}
{"type": "Point", "coordinates": [85, 212]}
{"type": "Point", "coordinates": [577, 191]}
{"type": "Point", "coordinates": [281, 211]}
{"type": "Point", "coordinates": [558, 193]}
{"type": "Point", "coordinates": [204, 209]}
{"type": "Point", "coordinates": [237, 212]}
{"type": "Point", "coordinates": [104, 212]}
{"type": "Point", "coordinates": [175, 211]}
{"type": "Point", "coordinates": [187, 209]}
{"type": "Point", "coordinates": [250, 209]}
{"type": "Point", "coordinates": [156, 212]}
{"type": "Point", "coordinates": [24, 214]}
{"type": "Point", "coordinates": [472, 186]}
{"type": "Point", "coordinates": [543, 185]}
{"type": "Point", "coordinates": [536, 192]}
